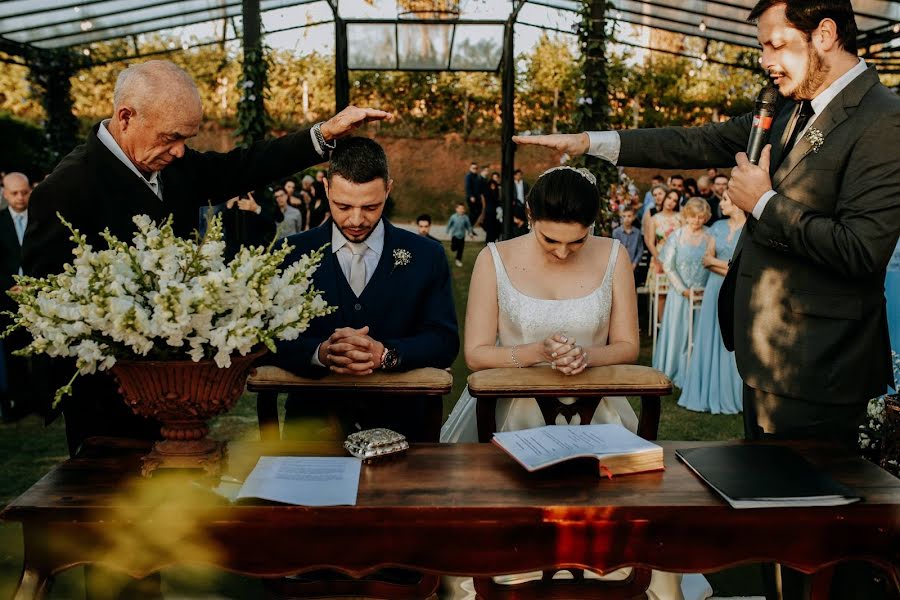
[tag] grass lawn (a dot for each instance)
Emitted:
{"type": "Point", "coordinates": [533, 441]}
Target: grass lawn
{"type": "Point", "coordinates": [28, 449]}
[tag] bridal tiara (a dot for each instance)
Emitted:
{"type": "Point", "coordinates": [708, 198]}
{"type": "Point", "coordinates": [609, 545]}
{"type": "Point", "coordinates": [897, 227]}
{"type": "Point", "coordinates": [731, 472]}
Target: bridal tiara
{"type": "Point", "coordinates": [581, 171]}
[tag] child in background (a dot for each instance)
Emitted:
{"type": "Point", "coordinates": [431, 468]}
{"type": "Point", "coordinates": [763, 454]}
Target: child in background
{"type": "Point", "coordinates": [457, 227]}
{"type": "Point", "coordinates": [629, 235]}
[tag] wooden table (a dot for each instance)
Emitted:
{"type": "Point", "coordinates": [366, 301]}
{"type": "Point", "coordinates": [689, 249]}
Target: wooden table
{"type": "Point", "coordinates": [457, 509]}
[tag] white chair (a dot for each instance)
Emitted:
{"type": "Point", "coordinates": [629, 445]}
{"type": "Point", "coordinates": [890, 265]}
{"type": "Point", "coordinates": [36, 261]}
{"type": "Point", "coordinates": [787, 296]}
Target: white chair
{"type": "Point", "coordinates": [695, 300]}
{"type": "Point", "coordinates": [660, 290]}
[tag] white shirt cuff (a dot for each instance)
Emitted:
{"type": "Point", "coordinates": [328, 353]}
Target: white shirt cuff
{"type": "Point", "coordinates": [315, 142]}
{"type": "Point", "coordinates": [761, 204]}
{"type": "Point", "coordinates": [315, 358]}
{"type": "Point", "coordinates": [605, 145]}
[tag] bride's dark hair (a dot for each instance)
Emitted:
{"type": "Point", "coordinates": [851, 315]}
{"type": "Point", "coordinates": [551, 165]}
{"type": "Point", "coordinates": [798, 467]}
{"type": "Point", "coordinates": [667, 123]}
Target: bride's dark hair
{"type": "Point", "coordinates": [564, 195]}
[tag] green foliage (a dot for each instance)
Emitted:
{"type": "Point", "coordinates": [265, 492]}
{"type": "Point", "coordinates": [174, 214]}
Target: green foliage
{"type": "Point", "coordinates": [49, 73]}
{"type": "Point", "coordinates": [548, 87]}
{"type": "Point", "coordinates": [592, 107]}
{"type": "Point", "coordinates": [22, 145]}
{"type": "Point", "coordinates": [253, 121]}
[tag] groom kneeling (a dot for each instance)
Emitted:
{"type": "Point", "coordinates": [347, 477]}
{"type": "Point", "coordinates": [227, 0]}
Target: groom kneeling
{"type": "Point", "coordinates": [393, 296]}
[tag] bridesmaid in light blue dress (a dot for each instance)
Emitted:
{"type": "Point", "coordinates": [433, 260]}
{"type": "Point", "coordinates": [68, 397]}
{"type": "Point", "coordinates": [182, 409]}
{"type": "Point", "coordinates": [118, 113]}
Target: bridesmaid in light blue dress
{"type": "Point", "coordinates": [713, 384]}
{"type": "Point", "coordinates": [682, 260]}
{"type": "Point", "coordinates": [892, 294]}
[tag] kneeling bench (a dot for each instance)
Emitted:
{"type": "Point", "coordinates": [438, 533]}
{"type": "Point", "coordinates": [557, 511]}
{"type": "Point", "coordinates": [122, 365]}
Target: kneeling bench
{"type": "Point", "coordinates": [269, 381]}
{"type": "Point", "coordinates": [546, 385]}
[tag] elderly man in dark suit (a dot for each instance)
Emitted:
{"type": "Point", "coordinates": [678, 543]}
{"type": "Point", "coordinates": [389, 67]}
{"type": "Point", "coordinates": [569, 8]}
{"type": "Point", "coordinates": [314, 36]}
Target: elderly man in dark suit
{"type": "Point", "coordinates": [392, 290]}
{"type": "Point", "coordinates": [14, 401]}
{"type": "Point", "coordinates": [803, 304]}
{"type": "Point", "coordinates": [137, 162]}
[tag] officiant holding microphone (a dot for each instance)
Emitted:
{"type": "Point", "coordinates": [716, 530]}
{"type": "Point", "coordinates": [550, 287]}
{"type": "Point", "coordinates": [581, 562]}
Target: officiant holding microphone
{"type": "Point", "coordinates": [803, 302]}
{"type": "Point", "coordinates": [137, 162]}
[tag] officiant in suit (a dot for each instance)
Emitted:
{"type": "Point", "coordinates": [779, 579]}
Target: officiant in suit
{"type": "Point", "coordinates": [137, 162]}
{"type": "Point", "coordinates": [803, 302]}
{"type": "Point", "coordinates": [394, 300]}
{"type": "Point", "coordinates": [806, 312]}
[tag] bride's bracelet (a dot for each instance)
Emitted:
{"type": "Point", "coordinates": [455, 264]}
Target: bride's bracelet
{"type": "Point", "coordinates": [515, 360]}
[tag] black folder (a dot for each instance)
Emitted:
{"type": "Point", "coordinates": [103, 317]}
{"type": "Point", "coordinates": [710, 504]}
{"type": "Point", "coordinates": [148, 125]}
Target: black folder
{"type": "Point", "coordinates": [764, 476]}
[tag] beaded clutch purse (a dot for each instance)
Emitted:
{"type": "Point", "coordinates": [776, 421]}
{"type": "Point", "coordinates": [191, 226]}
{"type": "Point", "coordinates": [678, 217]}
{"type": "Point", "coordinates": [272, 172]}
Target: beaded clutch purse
{"type": "Point", "coordinates": [375, 443]}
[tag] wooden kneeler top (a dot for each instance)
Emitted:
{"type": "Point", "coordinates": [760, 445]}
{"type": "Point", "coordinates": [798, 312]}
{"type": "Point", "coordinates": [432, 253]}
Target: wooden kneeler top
{"type": "Point", "coordinates": [620, 380]}
{"type": "Point", "coordinates": [417, 381]}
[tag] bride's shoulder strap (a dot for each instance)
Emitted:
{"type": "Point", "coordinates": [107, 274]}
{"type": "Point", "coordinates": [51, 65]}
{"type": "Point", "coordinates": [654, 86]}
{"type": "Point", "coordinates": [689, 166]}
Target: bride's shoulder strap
{"type": "Point", "coordinates": [499, 269]}
{"type": "Point", "coordinates": [611, 263]}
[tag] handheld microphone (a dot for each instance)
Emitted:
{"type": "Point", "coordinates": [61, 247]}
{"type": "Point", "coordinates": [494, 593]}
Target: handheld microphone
{"type": "Point", "coordinates": [763, 115]}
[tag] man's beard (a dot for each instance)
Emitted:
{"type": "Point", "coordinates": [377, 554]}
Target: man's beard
{"type": "Point", "coordinates": [816, 72]}
{"type": "Point", "coordinates": [357, 240]}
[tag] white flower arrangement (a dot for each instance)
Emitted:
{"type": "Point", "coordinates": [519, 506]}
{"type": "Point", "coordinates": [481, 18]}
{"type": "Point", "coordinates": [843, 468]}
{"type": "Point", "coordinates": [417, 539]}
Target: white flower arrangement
{"type": "Point", "coordinates": [165, 298]}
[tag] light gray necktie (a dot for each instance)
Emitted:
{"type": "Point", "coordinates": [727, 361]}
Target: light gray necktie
{"type": "Point", "coordinates": [357, 267]}
{"type": "Point", "coordinates": [20, 228]}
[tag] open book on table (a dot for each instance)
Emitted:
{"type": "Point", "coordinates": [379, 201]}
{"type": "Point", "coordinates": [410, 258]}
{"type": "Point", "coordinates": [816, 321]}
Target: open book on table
{"type": "Point", "coordinates": [764, 476]}
{"type": "Point", "coordinates": [302, 480]}
{"type": "Point", "coordinates": [618, 450]}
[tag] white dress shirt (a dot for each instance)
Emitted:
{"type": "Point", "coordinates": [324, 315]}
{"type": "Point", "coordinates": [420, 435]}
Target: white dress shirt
{"type": "Point", "coordinates": [107, 139]}
{"type": "Point", "coordinates": [606, 144]}
{"type": "Point", "coordinates": [339, 247]}
{"type": "Point", "coordinates": [520, 190]}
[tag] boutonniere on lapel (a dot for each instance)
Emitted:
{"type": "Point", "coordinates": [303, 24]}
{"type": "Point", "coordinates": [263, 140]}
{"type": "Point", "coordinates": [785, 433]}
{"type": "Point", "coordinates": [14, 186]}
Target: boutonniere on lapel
{"type": "Point", "coordinates": [816, 138]}
{"type": "Point", "coordinates": [402, 257]}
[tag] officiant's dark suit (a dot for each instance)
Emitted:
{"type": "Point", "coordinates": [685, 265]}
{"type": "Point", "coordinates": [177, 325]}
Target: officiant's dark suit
{"type": "Point", "coordinates": [806, 315]}
{"type": "Point", "coordinates": [94, 188]}
{"type": "Point", "coordinates": [406, 302]}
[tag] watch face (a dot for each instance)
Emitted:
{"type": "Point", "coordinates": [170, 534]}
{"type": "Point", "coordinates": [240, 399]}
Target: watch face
{"type": "Point", "coordinates": [390, 359]}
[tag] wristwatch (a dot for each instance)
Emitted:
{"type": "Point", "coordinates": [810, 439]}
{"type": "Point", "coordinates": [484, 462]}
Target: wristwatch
{"type": "Point", "coordinates": [317, 131]}
{"type": "Point", "coordinates": [390, 358]}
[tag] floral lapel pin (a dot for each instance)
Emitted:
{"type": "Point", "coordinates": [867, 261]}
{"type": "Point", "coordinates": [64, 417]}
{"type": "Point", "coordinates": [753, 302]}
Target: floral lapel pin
{"type": "Point", "coordinates": [816, 138]}
{"type": "Point", "coordinates": [402, 257]}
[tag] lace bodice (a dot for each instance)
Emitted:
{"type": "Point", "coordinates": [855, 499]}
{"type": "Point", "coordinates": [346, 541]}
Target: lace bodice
{"type": "Point", "coordinates": [524, 319]}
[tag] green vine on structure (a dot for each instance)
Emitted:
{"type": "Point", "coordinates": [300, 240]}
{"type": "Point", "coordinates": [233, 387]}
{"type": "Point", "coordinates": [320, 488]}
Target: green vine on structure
{"type": "Point", "coordinates": [592, 108]}
{"type": "Point", "coordinates": [49, 73]}
{"type": "Point", "coordinates": [253, 121]}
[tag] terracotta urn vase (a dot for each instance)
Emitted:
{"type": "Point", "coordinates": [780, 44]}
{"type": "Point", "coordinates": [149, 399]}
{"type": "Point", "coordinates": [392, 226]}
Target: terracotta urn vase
{"type": "Point", "coordinates": [182, 395]}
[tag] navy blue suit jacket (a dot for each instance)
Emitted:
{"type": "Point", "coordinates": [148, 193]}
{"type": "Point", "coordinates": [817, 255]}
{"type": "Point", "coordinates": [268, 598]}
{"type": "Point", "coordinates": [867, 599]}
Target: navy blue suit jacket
{"type": "Point", "coordinates": [407, 307]}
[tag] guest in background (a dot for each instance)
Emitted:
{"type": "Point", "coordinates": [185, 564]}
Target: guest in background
{"type": "Point", "coordinates": [682, 260]}
{"type": "Point", "coordinates": [892, 293]}
{"type": "Point", "coordinates": [489, 220]}
{"type": "Point", "coordinates": [676, 182]}
{"type": "Point", "coordinates": [423, 222]}
{"type": "Point", "coordinates": [662, 225]}
{"type": "Point", "coordinates": [649, 201]}
{"type": "Point", "coordinates": [690, 189]}
{"type": "Point", "coordinates": [457, 227]}
{"type": "Point", "coordinates": [712, 383]}
{"type": "Point", "coordinates": [246, 223]}
{"type": "Point", "coordinates": [15, 390]}
{"type": "Point", "coordinates": [318, 208]}
{"type": "Point", "coordinates": [476, 212]}
{"type": "Point", "coordinates": [705, 191]}
{"type": "Point", "coordinates": [473, 187]}
{"type": "Point", "coordinates": [521, 187]}
{"type": "Point", "coordinates": [293, 219]}
{"type": "Point", "coordinates": [630, 236]}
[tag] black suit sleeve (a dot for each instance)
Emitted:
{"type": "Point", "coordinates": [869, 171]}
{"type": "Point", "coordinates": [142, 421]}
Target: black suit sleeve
{"type": "Point", "coordinates": [859, 238]}
{"type": "Point", "coordinates": [712, 145]}
{"type": "Point", "coordinates": [226, 175]}
{"type": "Point", "coordinates": [436, 341]}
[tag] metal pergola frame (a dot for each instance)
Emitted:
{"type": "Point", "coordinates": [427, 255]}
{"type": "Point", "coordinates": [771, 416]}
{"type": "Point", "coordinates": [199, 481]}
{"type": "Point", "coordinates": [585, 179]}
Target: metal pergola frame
{"type": "Point", "coordinates": [51, 28]}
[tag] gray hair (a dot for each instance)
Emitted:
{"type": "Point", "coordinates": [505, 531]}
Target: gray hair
{"type": "Point", "coordinates": [151, 79]}
{"type": "Point", "coordinates": [10, 177]}
{"type": "Point", "coordinates": [307, 179]}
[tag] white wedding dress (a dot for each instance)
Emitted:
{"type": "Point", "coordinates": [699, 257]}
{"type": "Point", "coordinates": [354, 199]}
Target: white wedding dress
{"type": "Point", "coordinates": [524, 319]}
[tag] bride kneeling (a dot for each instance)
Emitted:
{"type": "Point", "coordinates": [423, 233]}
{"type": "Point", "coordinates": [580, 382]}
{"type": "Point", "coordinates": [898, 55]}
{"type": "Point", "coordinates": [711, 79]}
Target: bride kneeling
{"type": "Point", "coordinates": [557, 296]}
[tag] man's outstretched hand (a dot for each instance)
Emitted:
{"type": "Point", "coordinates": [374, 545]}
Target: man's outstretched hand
{"type": "Point", "coordinates": [573, 144]}
{"type": "Point", "coordinates": [350, 119]}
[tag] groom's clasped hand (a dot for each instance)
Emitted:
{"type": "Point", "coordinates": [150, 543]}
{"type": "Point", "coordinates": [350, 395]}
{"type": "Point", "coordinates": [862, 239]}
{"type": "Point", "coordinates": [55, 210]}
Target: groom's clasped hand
{"type": "Point", "coordinates": [351, 351]}
{"type": "Point", "coordinates": [564, 354]}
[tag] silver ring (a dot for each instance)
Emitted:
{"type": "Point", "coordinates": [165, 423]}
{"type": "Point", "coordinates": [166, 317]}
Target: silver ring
{"type": "Point", "coordinates": [553, 365]}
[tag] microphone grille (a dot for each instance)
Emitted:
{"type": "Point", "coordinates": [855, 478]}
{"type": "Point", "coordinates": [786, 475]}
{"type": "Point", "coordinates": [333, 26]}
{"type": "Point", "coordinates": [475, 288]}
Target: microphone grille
{"type": "Point", "coordinates": [768, 95]}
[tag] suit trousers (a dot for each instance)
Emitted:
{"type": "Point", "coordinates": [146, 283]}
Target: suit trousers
{"type": "Point", "coordinates": [774, 417]}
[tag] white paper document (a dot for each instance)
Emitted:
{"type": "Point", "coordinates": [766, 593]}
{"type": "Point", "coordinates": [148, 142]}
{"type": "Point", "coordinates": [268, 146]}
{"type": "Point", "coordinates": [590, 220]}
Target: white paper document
{"type": "Point", "coordinates": [304, 480]}
{"type": "Point", "coordinates": [551, 444]}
